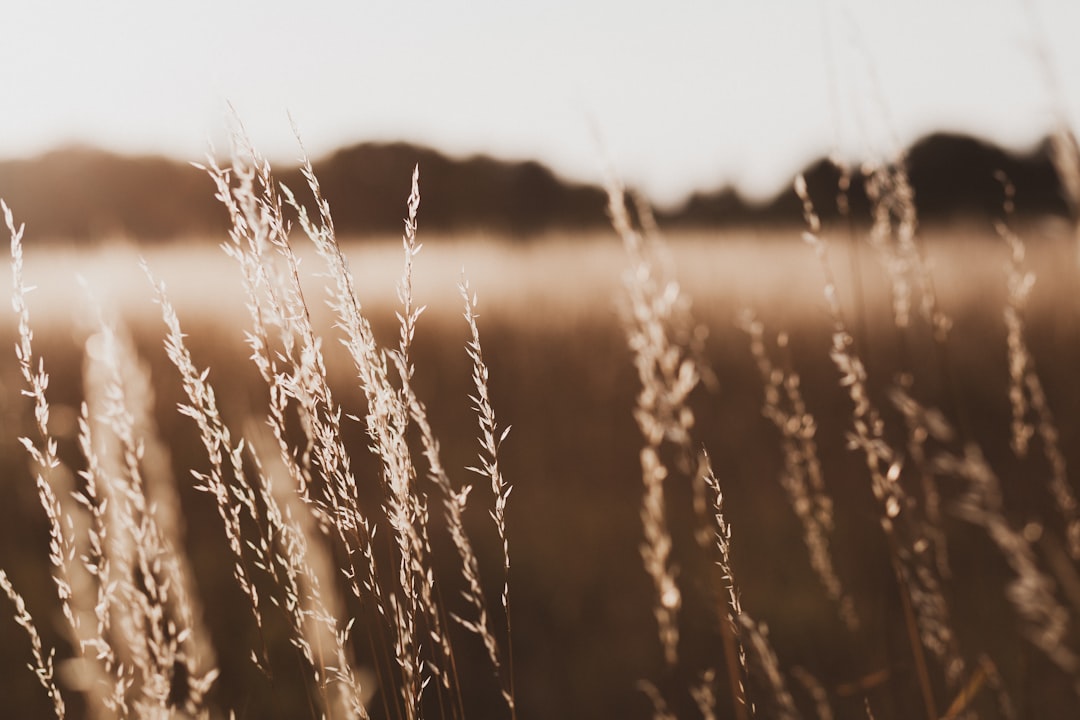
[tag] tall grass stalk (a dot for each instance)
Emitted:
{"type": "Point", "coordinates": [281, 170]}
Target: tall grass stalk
{"type": "Point", "coordinates": [747, 645]}
{"type": "Point", "coordinates": [293, 368]}
{"type": "Point", "coordinates": [734, 646]}
{"type": "Point", "coordinates": [124, 590]}
{"type": "Point", "coordinates": [704, 695]}
{"type": "Point", "coordinates": [387, 422]}
{"type": "Point", "coordinates": [661, 711]}
{"type": "Point", "coordinates": [802, 478]}
{"type": "Point", "coordinates": [921, 594]}
{"type": "Point", "coordinates": [287, 352]}
{"type": "Point", "coordinates": [107, 680]}
{"type": "Point", "coordinates": [145, 612]}
{"type": "Point", "coordinates": [288, 357]}
{"type": "Point", "coordinates": [1032, 592]}
{"type": "Point", "coordinates": [225, 480]}
{"type": "Point", "coordinates": [667, 376]}
{"type": "Point", "coordinates": [663, 346]}
{"type": "Point", "coordinates": [303, 573]}
{"type": "Point", "coordinates": [816, 691]}
{"type": "Point", "coordinates": [490, 438]}
{"type": "Point", "coordinates": [894, 236]}
{"type": "Point", "coordinates": [282, 548]}
{"type": "Point", "coordinates": [1031, 412]}
{"type": "Point", "coordinates": [454, 500]}
{"type": "Point", "coordinates": [43, 665]}
{"type": "Point", "coordinates": [48, 471]}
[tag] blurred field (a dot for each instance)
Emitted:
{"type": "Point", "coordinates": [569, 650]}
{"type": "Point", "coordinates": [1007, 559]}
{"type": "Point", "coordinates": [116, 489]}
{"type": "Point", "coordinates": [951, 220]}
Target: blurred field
{"type": "Point", "coordinates": [561, 375]}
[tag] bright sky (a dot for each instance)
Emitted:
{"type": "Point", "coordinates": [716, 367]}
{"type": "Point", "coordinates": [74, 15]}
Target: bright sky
{"type": "Point", "coordinates": [685, 95]}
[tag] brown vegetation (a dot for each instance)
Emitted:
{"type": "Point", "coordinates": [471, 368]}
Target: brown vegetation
{"type": "Point", "coordinates": [884, 521]}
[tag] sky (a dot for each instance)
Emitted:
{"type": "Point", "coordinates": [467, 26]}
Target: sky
{"type": "Point", "coordinates": [674, 96]}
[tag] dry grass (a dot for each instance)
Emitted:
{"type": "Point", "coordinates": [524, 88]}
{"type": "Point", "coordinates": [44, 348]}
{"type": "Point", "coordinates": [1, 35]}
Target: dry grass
{"type": "Point", "coordinates": [871, 531]}
{"type": "Point", "coordinates": [909, 514]}
{"type": "Point", "coordinates": [288, 516]}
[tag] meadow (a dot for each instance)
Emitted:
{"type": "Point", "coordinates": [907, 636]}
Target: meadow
{"type": "Point", "coordinates": [876, 531]}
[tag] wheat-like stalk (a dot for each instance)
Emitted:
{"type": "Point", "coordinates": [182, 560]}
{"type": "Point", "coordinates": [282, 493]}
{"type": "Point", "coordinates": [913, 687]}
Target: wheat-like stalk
{"type": "Point", "coordinates": [454, 500]}
{"type": "Point", "coordinates": [225, 480]}
{"type": "Point", "coordinates": [757, 638]}
{"type": "Point", "coordinates": [282, 548]}
{"type": "Point", "coordinates": [802, 478]}
{"type": "Point", "coordinates": [816, 691]}
{"type": "Point", "coordinates": [1032, 592]}
{"type": "Point", "coordinates": [667, 376]}
{"type": "Point", "coordinates": [295, 375]}
{"type": "Point", "coordinates": [1031, 412]}
{"type": "Point", "coordinates": [303, 574]}
{"type": "Point", "coordinates": [921, 589]}
{"type": "Point", "coordinates": [868, 433]}
{"type": "Point", "coordinates": [291, 366]}
{"type": "Point", "coordinates": [734, 629]}
{"type": "Point", "coordinates": [297, 378]}
{"type": "Point", "coordinates": [893, 235]}
{"type": "Point", "coordinates": [148, 591]}
{"type": "Point", "coordinates": [490, 439]}
{"type": "Point", "coordinates": [107, 679]}
{"type": "Point", "coordinates": [144, 636]}
{"type": "Point", "coordinates": [922, 424]}
{"type": "Point", "coordinates": [704, 694]}
{"type": "Point", "coordinates": [43, 665]}
{"type": "Point", "coordinates": [661, 711]}
{"type": "Point", "coordinates": [387, 422]}
{"type": "Point", "coordinates": [43, 452]}
{"type": "Point", "coordinates": [288, 355]}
